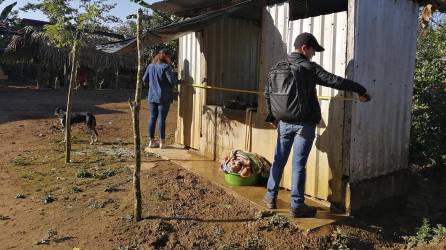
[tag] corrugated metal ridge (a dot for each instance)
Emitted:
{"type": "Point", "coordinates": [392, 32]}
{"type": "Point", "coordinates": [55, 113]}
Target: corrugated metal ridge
{"type": "Point", "coordinates": [192, 7]}
{"type": "Point", "coordinates": [174, 30]}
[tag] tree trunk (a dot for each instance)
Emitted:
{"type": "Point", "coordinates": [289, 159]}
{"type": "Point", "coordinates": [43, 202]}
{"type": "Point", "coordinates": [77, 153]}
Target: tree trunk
{"type": "Point", "coordinates": [135, 107]}
{"type": "Point", "coordinates": [69, 102]}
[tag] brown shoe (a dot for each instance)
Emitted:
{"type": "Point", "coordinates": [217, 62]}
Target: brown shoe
{"type": "Point", "coordinates": [304, 211]}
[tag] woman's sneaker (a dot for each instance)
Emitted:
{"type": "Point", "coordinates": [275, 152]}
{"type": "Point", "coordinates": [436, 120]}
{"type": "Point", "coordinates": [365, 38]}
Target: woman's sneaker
{"type": "Point", "coordinates": [153, 144]}
{"type": "Point", "coordinates": [270, 202]}
{"type": "Point", "coordinates": [163, 143]}
{"type": "Point", "coordinates": [304, 211]}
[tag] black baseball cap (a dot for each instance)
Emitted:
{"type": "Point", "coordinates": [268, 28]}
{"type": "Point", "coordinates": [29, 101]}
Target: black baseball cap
{"type": "Point", "coordinates": [309, 40]}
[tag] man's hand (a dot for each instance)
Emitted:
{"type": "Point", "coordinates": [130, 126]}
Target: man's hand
{"type": "Point", "coordinates": [365, 97]}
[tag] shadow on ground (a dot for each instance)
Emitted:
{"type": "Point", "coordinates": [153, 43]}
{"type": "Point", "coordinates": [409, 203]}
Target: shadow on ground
{"type": "Point", "coordinates": [21, 103]}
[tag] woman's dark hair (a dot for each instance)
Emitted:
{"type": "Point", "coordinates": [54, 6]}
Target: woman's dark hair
{"type": "Point", "coordinates": [159, 58]}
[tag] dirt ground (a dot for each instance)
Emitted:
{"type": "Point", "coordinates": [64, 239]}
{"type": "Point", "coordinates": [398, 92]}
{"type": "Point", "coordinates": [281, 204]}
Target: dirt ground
{"type": "Point", "coordinates": [88, 204]}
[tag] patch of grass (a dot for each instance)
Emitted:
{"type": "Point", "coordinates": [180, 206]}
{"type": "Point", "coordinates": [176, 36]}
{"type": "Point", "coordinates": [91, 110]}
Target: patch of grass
{"type": "Point", "coordinates": [111, 189]}
{"type": "Point", "coordinates": [279, 221]}
{"type": "Point", "coordinates": [83, 173]}
{"type": "Point", "coordinates": [20, 196]}
{"type": "Point", "coordinates": [426, 235]}
{"type": "Point", "coordinates": [254, 242]}
{"type": "Point", "coordinates": [21, 161]}
{"type": "Point", "coordinates": [439, 234]}
{"type": "Point", "coordinates": [152, 155]}
{"type": "Point", "coordinates": [76, 189]}
{"type": "Point", "coordinates": [106, 174]}
{"type": "Point", "coordinates": [226, 206]}
{"type": "Point", "coordinates": [48, 198]}
{"type": "Point", "coordinates": [230, 246]}
{"type": "Point", "coordinates": [259, 215]}
{"type": "Point", "coordinates": [4, 217]}
{"type": "Point", "coordinates": [339, 240]}
{"type": "Point", "coordinates": [219, 232]}
{"type": "Point", "coordinates": [96, 205]}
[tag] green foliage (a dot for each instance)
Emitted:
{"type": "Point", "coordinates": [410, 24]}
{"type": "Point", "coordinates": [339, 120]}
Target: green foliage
{"type": "Point", "coordinates": [339, 240]}
{"type": "Point", "coordinates": [76, 189]}
{"type": "Point", "coordinates": [428, 128]}
{"type": "Point", "coordinates": [426, 235]}
{"type": "Point", "coordinates": [6, 11]}
{"type": "Point", "coordinates": [149, 22]}
{"type": "Point", "coordinates": [8, 20]}
{"type": "Point", "coordinates": [83, 173]}
{"type": "Point", "coordinates": [21, 161]}
{"type": "Point", "coordinates": [48, 198]}
{"type": "Point", "coordinates": [439, 234]}
{"type": "Point", "coordinates": [69, 23]}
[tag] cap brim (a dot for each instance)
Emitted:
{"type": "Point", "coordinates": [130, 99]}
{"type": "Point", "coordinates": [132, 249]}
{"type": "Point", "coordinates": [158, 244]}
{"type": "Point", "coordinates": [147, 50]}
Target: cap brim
{"type": "Point", "coordinates": [319, 48]}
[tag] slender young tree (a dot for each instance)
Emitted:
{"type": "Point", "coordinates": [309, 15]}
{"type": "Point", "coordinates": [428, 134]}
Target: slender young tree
{"type": "Point", "coordinates": [70, 27]}
{"type": "Point", "coordinates": [135, 107]}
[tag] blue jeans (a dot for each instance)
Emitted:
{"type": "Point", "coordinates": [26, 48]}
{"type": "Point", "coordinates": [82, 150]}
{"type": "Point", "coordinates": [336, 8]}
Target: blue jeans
{"type": "Point", "coordinates": [158, 112]}
{"type": "Point", "coordinates": [301, 135]}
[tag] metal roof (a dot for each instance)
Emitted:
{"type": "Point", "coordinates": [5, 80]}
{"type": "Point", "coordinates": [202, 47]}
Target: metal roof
{"type": "Point", "coordinates": [179, 28]}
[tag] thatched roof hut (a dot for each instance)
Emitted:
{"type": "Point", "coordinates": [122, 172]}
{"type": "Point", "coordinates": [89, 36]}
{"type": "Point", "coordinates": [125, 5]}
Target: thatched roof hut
{"type": "Point", "coordinates": [31, 47]}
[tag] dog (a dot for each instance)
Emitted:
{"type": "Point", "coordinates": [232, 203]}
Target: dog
{"type": "Point", "coordinates": [82, 117]}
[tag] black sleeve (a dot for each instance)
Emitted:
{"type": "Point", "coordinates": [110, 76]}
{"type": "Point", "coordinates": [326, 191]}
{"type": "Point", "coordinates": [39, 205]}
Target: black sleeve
{"type": "Point", "coordinates": [333, 81]}
{"type": "Point", "coordinates": [269, 117]}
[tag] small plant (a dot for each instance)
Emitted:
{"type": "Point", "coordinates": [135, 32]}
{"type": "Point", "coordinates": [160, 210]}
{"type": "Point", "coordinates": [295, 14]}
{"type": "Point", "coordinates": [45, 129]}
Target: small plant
{"type": "Point", "coordinates": [231, 246]}
{"type": "Point", "coordinates": [96, 205]}
{"type": "Point", "coordinates": [426, 235]}
{"type": "Point", "coordinates": [51, 233]}
{"type": "Point", "coordinates": [20, 196]}
{"type": "Point", "coordinates": [83, 173]}
{"type": "Point", "coordinates": [152, 155]}
{"type": "Point", "coordinates": [48, 198]}
{"type": "Point", "coordinates": [219, 232]}
{"type": "Point", "coordinates": [278, 221]}
{"type": "Point", "coordinates": [254, 242]}
{"type": "Point", "coordinates": [106, 174]}
{"type": "Point", "coordinates": [421, 237]}
{"type": "Point", "coordinates": [259, 215]}
{"type": "Point", "coordinates": [76, 189]}
{"type": "Point", "coordinates": [4, 217]}
{"type": "Point", "coordinates": [439, 234]}
{"type": "Point", "coordinates": [339, 240]}
{"type": "Point", "coordinates": [21, 161]}
{"type": "Point", "coordinates": [110, 189]}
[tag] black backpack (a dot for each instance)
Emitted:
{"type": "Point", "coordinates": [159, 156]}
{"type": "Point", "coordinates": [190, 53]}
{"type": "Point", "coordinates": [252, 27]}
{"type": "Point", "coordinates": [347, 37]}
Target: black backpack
{"type": "Point", "coordinates": [286, 95]}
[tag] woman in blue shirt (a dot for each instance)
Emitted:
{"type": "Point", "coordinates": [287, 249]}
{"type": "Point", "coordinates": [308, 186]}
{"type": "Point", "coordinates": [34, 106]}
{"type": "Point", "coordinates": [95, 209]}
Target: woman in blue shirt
{"type": "Point", "coordinates": [161, 80]}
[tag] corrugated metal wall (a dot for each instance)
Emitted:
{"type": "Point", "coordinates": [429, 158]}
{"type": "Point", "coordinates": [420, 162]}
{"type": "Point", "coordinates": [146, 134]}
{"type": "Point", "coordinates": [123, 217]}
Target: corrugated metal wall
{"type": "Point", "coordinates": [232, 58]}
{"type": "Point", "coordinates": [191, 67]}
{"type": "Point", "coordinates": [324, 168]}
{"type": "Point", "coordinates": [384, 59]}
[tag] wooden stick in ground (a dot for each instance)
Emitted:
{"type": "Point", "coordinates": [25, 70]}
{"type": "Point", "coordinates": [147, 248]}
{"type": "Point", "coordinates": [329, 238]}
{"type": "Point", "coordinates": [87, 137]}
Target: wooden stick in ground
{"type": "Point", "coordinates": [69, 101]}
{"type": "Point", "coordinates": [135, 107]}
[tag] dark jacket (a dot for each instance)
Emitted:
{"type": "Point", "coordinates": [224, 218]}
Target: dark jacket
{"type": "Point", "coordinates": [161, 81]}
{"type": "Point", "coordinates": [310, 74]}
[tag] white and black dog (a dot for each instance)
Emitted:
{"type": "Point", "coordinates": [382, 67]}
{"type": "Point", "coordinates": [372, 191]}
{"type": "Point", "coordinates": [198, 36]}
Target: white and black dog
{"type": "Point", "coordinates": [82, 117]}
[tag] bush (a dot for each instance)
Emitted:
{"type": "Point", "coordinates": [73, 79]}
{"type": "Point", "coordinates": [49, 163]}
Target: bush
{"type": "Point", "coordinates": [428, 128]}
{"type": "Point", "coordinates": [426, 235]}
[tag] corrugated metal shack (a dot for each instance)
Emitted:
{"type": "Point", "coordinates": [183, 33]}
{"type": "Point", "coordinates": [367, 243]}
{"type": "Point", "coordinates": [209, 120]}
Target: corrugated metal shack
{"type": "Point", "coordinates": [360, 155]}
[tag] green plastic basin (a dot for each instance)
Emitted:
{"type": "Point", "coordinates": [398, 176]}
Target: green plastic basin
{"type": "Point", "coordinates": [235, 179]}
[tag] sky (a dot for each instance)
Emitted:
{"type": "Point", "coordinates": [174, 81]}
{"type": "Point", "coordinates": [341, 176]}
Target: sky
{"type": "Point", "coordinates": [122, 9]}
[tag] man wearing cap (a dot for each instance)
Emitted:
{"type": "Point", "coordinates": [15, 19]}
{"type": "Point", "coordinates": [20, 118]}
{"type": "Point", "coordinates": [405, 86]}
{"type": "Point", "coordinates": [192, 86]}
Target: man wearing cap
{"type": "Point", "coordinates": [299, 129]}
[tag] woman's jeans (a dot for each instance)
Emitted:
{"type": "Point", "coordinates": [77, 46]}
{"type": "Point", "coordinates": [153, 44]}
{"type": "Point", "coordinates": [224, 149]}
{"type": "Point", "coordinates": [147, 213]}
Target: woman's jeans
{"type": "Point", "coordinates": [301, 136]}
{"type": "Point", "coordinates": [158, 112]}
